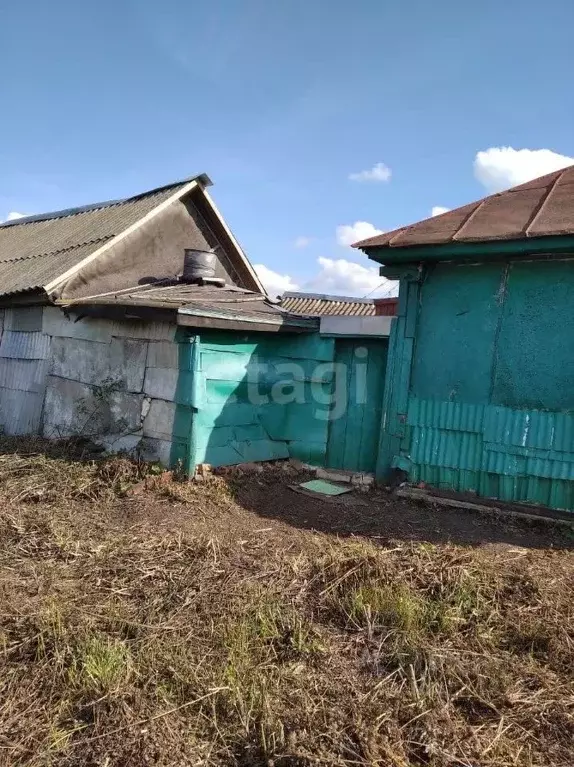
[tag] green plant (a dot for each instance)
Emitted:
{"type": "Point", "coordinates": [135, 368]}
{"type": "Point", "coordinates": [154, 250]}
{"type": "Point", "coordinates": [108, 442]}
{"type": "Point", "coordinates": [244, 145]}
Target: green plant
{"type": "Point", "coordinates": [100, 665]}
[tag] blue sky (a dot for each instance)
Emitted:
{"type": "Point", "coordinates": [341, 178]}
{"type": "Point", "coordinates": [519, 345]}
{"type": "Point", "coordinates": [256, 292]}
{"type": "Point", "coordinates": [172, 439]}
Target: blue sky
{"type": "Point", "coordinates": [281, 102]}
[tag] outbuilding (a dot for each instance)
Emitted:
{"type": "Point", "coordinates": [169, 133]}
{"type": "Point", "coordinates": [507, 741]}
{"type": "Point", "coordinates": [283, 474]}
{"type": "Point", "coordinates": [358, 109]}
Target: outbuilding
{"type": "Point", "coordinates": [479, 394]}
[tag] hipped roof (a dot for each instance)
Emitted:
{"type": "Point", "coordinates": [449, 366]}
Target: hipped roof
{"type": "Point", "coordinates": [540, 208]}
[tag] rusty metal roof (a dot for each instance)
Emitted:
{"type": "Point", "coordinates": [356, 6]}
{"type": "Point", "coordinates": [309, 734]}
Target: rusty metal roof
{"type": "Point", "coordinates": [320, 305]}
{"type": "Point", "coordinates": [228, 302]}
{"type": "Point", "coordinates": [540, 208]}
{"type": "Point", "coordinates": [35, 250]}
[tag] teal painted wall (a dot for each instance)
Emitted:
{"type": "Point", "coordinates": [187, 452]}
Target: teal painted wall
{"type": "Point", "coordinates": [537, 338]}
{"type": "Point", "coordinates": [480, 391]}
{"type": "Point", "coordinates": [353, 437]}
{"type": "Point", "coordinates": [239, 379]}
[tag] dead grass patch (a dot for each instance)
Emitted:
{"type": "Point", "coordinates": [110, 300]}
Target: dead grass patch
{"type": "Point", "coordinates": [133, 646]}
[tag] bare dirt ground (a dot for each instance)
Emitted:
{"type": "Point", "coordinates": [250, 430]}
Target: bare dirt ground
{"type": "Point", "coordinates": [264, 503]}
{"type": "Point", "coordinates": [146, 621]}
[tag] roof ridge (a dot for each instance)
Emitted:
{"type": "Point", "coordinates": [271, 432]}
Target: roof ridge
{"type": "Point", "coordinates": [203, 178]}
{"type": "Point", "coordinates": [538, 209]}
{"type": "Point", "coordinates": [472, 213]}
{"type": "Point", "coordinates": [64, 213]}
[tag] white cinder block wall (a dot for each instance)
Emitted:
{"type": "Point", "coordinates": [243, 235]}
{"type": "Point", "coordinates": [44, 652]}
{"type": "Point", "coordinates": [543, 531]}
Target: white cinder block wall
{"type": "Point", "coordinates": [112, 381]}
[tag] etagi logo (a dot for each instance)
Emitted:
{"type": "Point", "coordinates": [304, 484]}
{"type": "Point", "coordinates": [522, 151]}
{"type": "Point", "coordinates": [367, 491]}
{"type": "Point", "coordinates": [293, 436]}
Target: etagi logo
{"type": "Point", "coordinates": [332, 386]}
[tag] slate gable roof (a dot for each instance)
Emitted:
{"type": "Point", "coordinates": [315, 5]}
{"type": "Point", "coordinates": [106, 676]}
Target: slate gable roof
{"type": "Point", "coordinates": [37, 249]}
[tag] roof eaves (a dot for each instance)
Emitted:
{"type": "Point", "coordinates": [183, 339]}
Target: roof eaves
{"type": "Point", "coordinates": [279, 319]}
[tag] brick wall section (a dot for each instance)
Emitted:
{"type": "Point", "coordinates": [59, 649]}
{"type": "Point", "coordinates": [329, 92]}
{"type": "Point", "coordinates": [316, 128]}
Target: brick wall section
{"type": "Point", "coordinates": [386, 307]}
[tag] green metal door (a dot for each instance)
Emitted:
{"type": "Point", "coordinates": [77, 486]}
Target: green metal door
{"type": "Point", "coordinates": [358, 395]}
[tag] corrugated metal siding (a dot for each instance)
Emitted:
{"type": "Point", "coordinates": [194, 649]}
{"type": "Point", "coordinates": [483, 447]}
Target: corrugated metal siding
{"type": "Point", "coordinates": [515, 455]}
{"type": "Point", "coordinates": [20, 411]}
{"type": "Point", "coordinates": [483, 401]}
{"type": "Point", "coordinates": [24, 346]}
{"type": "Point", "coordinates": [24, 375]}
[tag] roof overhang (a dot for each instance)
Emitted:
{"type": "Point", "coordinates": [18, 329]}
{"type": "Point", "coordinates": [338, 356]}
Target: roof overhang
{"type": "Point", "coordinates": [196, 317]}
{"type": "Point", "coordinates": [190, 316]}
{"type": "Point", "coordinates": [463, 251]}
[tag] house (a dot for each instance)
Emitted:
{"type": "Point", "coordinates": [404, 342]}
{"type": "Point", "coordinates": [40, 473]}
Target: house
{"type": "Point", "coordinates": [101, 329]}
{"type": "Point", "coordinates": [479, 395]}
{"type": "Point", "coordinates": [344, 316]}
{"type": "Point", "coordinates": [141, 324]}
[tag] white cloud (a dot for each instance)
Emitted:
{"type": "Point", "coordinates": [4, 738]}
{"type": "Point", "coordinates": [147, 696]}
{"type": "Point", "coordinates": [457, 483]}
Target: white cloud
{"type": "Point", "coordinates": [338, 276]}
{"type": "Point", "coordinates": [274, 283]}
{"type": "Point", "coordinates": [302, 242]}
{"type": "Point", "coordinates": [348, 234]}
{"type": "Point", "coordinates": [438, 210]}
{"type": "Point", "coordinates": [501, 167]}
{"type": "Point", "coordinates": [13, 215]}
{"type": "Point", "coordinates": [379, 172]}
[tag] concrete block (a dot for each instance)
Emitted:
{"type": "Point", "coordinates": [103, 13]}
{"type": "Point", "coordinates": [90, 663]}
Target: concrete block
{"type": "Point", "coordinates": [120, 363]}
{"type": "Point", "coordinates": [127, 362]}
{"type": "Point", "coordinates": [24, 318]}
{"type": "Point", "coordinates": [159, 421]}
{"type": "Point", "coordinates": [158, 450]}
{"type": "Point", "coordinates": [55, 323]}
{"type": "Point", "coordinates": [20, 411]}
{"type": "Point", "coordinates": [150, 331]}
{"type": "Point", "coordinates": [334, 476]}
{"type": "Point", "coordinates": [72, 407]}
{"type": "Point", "coordinates": [80, 360]}
{"type": "Point", "coordinates": [121, 443]}
{"type": "Point", "coordinates": [163, 354]}
{"type": "Point", "coordinates": [25, 346]}
{"type": "Point", "coordinates": [125, 411]}
{"type": "Point", "coordinates": [24, 375]}
{"type": "Point", "coordinates": [161, 383]}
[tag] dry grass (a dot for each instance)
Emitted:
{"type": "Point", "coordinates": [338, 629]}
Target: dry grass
{"type": "Point", "coordinates": [130, 646]}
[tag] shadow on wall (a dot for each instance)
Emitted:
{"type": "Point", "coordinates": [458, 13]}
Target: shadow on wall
{"type": "Point", "coordinates": [256, 397]}
{"type": "Point", "coordinates": [263, 397]}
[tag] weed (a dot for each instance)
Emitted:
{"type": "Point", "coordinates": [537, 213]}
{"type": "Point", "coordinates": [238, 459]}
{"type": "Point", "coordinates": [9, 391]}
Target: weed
{"type": "Point", "coordinates": [100, 665]}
